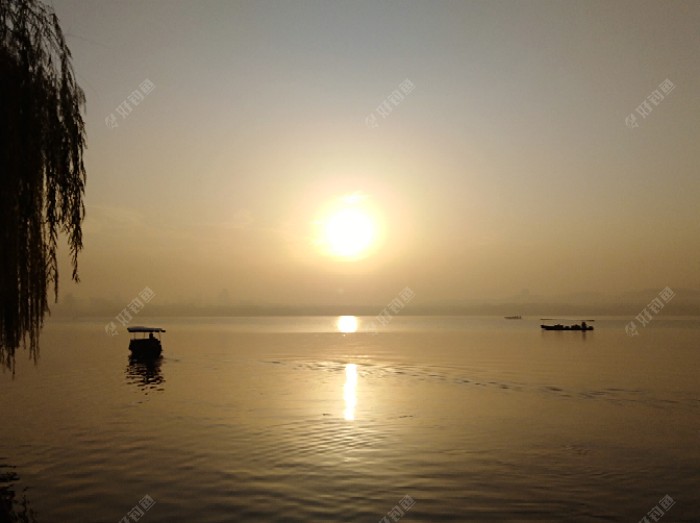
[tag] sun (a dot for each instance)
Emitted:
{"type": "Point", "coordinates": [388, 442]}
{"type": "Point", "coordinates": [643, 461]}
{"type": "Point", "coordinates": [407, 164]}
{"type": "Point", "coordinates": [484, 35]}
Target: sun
{"type": "Point", "coordinates": [349, 232]}
{"type": "Point", "coordinates": [349, 228]}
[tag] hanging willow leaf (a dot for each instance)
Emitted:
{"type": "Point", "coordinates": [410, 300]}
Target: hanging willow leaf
{"type": "Point", "coordinates": [42, 138]}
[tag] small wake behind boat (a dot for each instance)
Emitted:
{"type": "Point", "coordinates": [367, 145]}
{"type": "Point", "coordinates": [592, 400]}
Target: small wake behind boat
{"type": "Point", "coordinates": [146, 347]}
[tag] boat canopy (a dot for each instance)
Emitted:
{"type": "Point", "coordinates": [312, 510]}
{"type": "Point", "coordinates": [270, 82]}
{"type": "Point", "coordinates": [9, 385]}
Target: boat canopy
{"type": "Point", "coordinates": [145, 329]}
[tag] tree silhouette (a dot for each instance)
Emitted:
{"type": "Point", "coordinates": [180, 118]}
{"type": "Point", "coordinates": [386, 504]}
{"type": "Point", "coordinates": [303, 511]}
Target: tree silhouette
{"type": "Point", "coordinates": [42, 137]}
{"type": "Point", "coordinates": [13, 509]}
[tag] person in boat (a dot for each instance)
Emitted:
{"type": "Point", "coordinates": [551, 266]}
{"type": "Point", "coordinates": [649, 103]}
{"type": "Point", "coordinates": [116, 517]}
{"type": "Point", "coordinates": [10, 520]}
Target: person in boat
{"type": "Point", "coordinates": [583, 325]}
{"type": "Point", "coordinates": [151, 336]}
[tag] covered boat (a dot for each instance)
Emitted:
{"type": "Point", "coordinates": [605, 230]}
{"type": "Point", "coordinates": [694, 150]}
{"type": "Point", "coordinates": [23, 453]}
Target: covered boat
{"type": "Point", "coordinates": [560, 327]}
{"type": "Point", "coordinates": [145, 342]}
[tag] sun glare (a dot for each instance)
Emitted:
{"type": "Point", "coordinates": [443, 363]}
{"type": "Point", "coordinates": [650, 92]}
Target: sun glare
{"type": "Point", "coordinates": [347, 324]}
{"type": "Point", "coordinates": [348, 228]}
{"type": "Point", "coordinates": [349, 232]}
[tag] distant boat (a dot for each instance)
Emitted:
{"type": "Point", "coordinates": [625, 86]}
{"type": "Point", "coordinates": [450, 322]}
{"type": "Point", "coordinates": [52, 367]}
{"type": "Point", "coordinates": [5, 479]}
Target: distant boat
{"type": "Point", "coordinates": [560, 327]}
{"type": "Point", "coordinates": [146, 347]}
{"type": "Point", "coordinates": [518, 317]}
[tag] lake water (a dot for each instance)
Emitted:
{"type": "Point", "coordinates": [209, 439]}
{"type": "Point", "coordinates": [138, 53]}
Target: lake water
{"type": "Point", "coordinates": [288, 419]}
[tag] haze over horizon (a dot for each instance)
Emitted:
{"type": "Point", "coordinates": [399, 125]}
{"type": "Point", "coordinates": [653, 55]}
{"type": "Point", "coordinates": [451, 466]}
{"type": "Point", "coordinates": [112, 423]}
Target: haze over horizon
{"type": "Point", "coordinates": [507, 167]}
{"type": "Point", "coordinates": [350, 261]}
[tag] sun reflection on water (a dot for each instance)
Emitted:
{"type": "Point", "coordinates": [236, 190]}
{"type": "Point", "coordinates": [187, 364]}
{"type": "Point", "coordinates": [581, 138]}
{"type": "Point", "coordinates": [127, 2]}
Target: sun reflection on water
{"type": "Point", "coordinates": [350, 391]}
{"type": "Point", "coordinates": [347, 324]}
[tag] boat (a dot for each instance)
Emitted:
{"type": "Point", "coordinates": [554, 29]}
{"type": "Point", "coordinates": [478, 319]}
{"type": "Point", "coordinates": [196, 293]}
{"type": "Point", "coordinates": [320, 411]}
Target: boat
{"type": "Point", "coordinates": [518, 317]}
{"type": "Point", "coordinates": [145, 347]}
{"type": "Point", "coordinates": [560, 327]}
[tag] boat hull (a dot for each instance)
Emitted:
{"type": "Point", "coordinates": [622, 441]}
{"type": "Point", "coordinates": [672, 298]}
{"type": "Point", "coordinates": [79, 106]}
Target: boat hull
{"type": "Point", "coordinates": [566, 328]}
{"type": "Point", "coordinates": [145, 348]}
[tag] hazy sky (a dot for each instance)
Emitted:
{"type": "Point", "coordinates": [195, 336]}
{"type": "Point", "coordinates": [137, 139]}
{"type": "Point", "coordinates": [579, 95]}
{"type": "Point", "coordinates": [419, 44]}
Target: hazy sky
{"type": "Point", "coordinates": [509, 166]}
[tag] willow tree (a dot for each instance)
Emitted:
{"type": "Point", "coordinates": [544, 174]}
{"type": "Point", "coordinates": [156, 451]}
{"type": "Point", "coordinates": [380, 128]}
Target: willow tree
{"type": "Point", "coordinates": [42, 138]}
